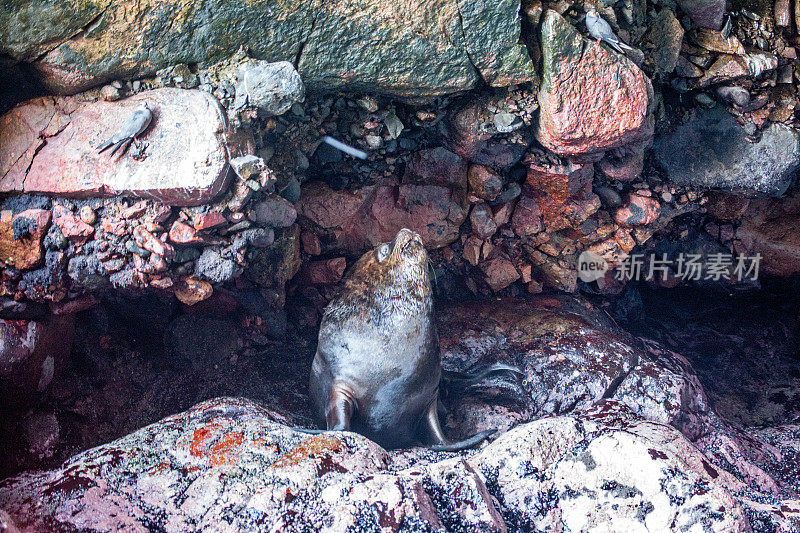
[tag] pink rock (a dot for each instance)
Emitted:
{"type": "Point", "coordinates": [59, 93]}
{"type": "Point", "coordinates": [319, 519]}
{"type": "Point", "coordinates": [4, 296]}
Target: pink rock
{"type": "Point", "coordinates": [592, 99]}
{"type": "Point", "coordinates": [148, 241]}
{"type": "Point", "coordinates": [70, 225]}
{"type": "Point", "coordinates": [181, 233]}
{"type": "Point", "coordinates": [47, 145]}
{"type": "Point", "coordinates": [209, 220]}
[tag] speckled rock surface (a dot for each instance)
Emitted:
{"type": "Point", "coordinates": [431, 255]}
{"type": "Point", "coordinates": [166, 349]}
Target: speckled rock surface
{"type": "Point", "coordinates": [49, 146]}
{"type": "Point", "coordinates": [592, 99]}
{"type": "Point", "coordinates": [406, 49]}
{"type": "Point", "coordinates": [713, 151]}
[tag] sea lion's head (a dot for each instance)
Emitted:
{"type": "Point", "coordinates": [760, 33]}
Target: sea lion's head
{"type": "Point", "coordinates": [391, 275]}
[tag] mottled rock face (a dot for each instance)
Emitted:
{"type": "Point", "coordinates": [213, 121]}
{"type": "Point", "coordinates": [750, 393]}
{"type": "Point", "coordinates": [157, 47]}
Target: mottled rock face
{"type": "Point", "coordinates": [31, 351]}
{"type": "Point", "coordinates": [771, 227]}
{"type": "Point", "coordinates": [49, 146]}
{"type": "Point", "coordinates": [592, 99]}
{"type": "Point", "coordinates": [431, 200]}
{"type": "Point", "coordinates": [602, 467]}
{"type": "Point", "coordinates": [403, 49]}
{"type": "Point", "coordinates": [713, 151]}
{"type": "Point", "coordinates": [21, 237]}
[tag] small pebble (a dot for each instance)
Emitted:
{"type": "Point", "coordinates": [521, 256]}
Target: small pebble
{"type": "Point", "coordinates": [88, 215]}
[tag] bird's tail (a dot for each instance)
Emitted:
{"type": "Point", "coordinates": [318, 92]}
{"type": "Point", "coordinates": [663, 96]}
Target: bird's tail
{"type": "Point", "coordinates": [497, 381]}
{"type": "Point", "coordinates": [105, 146]}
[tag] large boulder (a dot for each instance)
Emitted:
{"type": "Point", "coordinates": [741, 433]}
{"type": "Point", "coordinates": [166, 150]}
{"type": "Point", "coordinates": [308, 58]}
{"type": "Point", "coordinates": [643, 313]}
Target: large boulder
{"type": "Point", "coordinates": [49, 145]}
{"type": "Point", "coordinates": [592, 99]}
{"type": "Point", "coordinates": [231, 463]}
{"type": "Point", "coordinates": [431, 200]}
{"type": "Point", "coordinates": [712, 151]}
{"type": "Point", "coordinates": [403, 49]}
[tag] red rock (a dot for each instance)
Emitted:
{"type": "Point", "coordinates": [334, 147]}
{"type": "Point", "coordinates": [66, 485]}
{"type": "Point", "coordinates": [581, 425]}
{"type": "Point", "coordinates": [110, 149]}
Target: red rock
{"type": "Point", "coordinates": [323, 272]}
{"type": "Point", "coordinates": [71, 226]}
{"type": "Point", "coordinates": [482, 222]}
{"type": "Point", "coordinates": [353, 222]}
{"type": "Point", "coordinates": [500, 273]}
{"type": "Point", "coordinates": [311, 244]}
{"type": "Point", "coordinates": [31, 352]}
{"type": "Point", "coordinates": [192, 290]}
{"type": "Point", "coordinates": [771, 227]}
{"type": "Point", "coordinates": [552, 187]}
{"type": "Point", "coordinates": [463, 132]}
{"type": "Point", "coordinates": [639, 211]}
{"type": "Point", "coordinates": [502, 213]}
{"type": "Point", "coordinates": [484, 182]}
{"type": "Point", "coordinates": [149, 242]}
{"type": "Point", "coordinates": [209, 220]}
{"type": "Point", "coordinates": [161, 283]}
{"type": "Point", "coordinates": [25, 251]}
{"type": "Point", "coordinates": [527, 219]}
{"type": "Point", "coordinates": [592, 99]}
{"type": "Point", "coordinates": [181, 233]}
{"type": "Point", "coordinates": [47, 145]}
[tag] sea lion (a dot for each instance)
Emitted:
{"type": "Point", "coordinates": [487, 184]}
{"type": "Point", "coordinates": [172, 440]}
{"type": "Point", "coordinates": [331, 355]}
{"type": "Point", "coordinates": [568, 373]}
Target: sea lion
{"type": "Point", "coordinates": [377, 366]}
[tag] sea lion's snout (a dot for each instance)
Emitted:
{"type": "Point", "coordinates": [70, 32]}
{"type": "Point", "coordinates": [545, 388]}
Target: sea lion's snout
{"type": "Point", "coordinates": [408, 242]}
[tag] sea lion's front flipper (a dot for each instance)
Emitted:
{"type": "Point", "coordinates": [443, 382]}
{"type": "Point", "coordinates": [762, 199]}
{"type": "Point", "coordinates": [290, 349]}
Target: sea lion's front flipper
{"type": "Point", "coordinates": [440, 442]}
{"type": "Point", "coordinates": [340, 410]}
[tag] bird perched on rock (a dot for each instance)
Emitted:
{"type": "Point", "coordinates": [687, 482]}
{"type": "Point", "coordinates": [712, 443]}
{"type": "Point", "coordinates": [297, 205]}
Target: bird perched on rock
{"type": "Point", "coordinates": [601, 30]}
{"type": "Point", "coordinates": [135, 124]}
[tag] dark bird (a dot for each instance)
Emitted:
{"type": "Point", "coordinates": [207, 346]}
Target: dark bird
{"type": "Point", "coordinates": [601, 30]}
{"type": "Point", "coordinates": [135, 124]}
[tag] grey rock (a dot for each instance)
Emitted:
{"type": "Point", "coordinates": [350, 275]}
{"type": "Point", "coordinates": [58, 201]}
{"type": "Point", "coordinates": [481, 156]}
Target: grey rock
{"type": "Point", "coordinates": [246, 166]}
{"type": "Point", "coordinates": [213, 267]}
{"type": "Point", "coordinates": [271, 87]}
{"type": "Point", "coordinates": [734, 95]}
{"type": "Point", "coordinates": [713, 152]}
{"type": "Point", "coordinates": [275, 212]}
{"type": "Point", "coordinates": [436, 47]}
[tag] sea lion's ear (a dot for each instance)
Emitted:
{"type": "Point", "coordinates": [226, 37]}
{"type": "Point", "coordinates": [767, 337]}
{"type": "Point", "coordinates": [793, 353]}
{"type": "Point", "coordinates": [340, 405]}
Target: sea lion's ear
{"type": "Point", "coordinates": [383, 252]}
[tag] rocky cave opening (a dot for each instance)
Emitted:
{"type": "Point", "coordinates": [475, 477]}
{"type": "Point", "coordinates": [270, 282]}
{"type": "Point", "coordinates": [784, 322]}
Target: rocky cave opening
{"type": "Point", "coordinates": [623, 227]}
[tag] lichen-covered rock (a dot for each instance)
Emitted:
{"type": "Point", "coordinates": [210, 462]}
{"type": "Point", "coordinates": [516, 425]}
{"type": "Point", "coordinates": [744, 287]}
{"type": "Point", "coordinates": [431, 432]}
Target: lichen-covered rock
{"type": "Point", "coordinates": [403, 49]}
{"type": "Point", "coordinates": [592, 99]}
{"type": "Point", "coordinates": [713, 151]}
{"type": "Point", "coordinates": [21, 237]}
{"type": "Point", "coordinates": [49, 145]}
{"type": "Point", "coordinates": [604, 468]}
{"type": "Point", "coordinates": [229, 463]}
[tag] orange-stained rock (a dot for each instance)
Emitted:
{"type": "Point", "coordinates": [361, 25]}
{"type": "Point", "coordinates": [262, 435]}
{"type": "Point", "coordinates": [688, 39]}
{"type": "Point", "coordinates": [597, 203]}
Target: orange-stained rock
{"type": "Point", "coordinates": [527, 219]}
{"type": "Point", "coordinates": [555, 186]}
{"type": "Point", "coordinates": [48, 145]}
{"type": "Point", "coordinates": [182, 233]}
{"type": "Point", "coordinates": [70, 225]}
{"type": "Point", "coordinates": [500, 273]}
{"type": "Point", "coordinates": [592, 99]}
{"type": "Point", "coordinates": [21, 237]}
{"type": "Point", "coordinates": [192, 290]}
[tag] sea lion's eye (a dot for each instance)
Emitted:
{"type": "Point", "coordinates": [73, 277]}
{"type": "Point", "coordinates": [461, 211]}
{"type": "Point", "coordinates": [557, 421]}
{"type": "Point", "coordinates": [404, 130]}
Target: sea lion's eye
{"type": "Point", "coordinates": [383, 252]}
